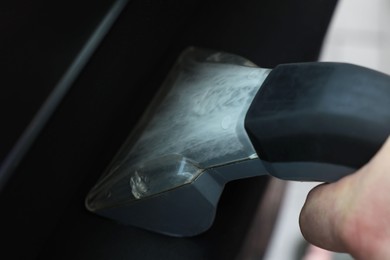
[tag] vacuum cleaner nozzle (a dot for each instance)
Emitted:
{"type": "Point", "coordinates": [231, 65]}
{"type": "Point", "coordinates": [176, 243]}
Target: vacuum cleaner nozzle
{"type": "Point", "coordinates": [218, 118]}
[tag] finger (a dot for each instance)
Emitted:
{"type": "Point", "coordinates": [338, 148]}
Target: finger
{"type": "Point", "coordinates": [319, 217]}
{"type": "Point", "coordinates": [316, 253]}
{"type": "Point", "coordinates": [380, 163]}
{"type": "Point", "coordinates": [331, 211]}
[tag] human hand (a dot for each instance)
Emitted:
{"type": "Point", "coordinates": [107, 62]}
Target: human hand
{"type": "Point", "coordinates": [353, 214]}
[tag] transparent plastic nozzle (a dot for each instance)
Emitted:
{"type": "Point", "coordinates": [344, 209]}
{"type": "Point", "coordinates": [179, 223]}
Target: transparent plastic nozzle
{"type": "Point", "coordinates": [162, 174]}
{"type": "Point", "coordinates": [195, 123]}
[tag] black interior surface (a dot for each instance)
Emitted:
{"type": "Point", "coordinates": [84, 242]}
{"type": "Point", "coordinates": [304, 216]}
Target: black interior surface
{"type": "Point", "coordinates": [43, 214]}
{"type": "Point", "coordinates": [39, 39]}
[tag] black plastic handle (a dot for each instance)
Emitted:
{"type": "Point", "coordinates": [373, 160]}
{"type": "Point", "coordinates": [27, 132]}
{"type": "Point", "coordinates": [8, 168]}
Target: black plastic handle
{"type": "Point", "coordinates": [319, 121]}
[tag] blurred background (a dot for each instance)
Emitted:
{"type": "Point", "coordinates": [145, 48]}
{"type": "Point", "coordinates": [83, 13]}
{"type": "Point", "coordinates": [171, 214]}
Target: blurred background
{"type": "Point", "coordinates": [358, 34]}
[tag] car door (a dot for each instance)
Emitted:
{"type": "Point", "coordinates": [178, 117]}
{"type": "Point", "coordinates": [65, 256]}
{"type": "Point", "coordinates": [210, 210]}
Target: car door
{"type": "Point", "coordinates": [77, 76]}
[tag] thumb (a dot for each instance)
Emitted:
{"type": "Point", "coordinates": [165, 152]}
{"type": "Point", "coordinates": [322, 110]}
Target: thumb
{"type": "Point", "coordinates": [319, 218]}
{"type": "Point", "coordinates": [334, 215]}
